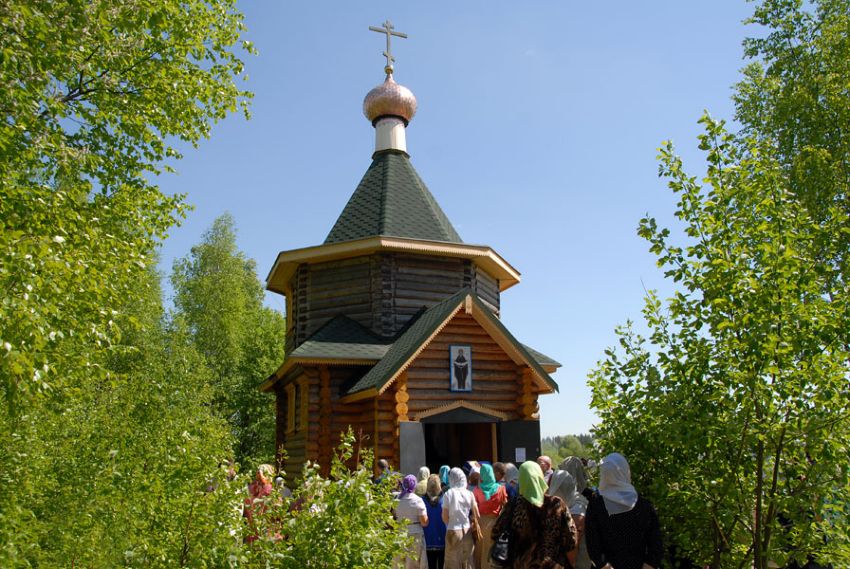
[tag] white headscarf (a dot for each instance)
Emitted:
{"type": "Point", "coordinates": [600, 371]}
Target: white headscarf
{"type": "Point", "coordinates": [564, 485]}
{"type": "Point", "coordinates": [511, 473]}
{"type": "Point", "coordinates": [615, 484]}
{"type": "Point", "coordinates": [574, 466]}
{"type": "Point", "coordinates": [457, 479]}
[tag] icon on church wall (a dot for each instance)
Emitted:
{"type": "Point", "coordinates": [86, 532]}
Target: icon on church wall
{"type": "Point", "coordinates": [461, 367]}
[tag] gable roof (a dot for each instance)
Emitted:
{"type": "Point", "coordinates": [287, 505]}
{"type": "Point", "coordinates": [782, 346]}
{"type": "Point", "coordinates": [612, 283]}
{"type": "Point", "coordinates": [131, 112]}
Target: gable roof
{"type": "Point", "coordinates": [344, 339]}
{"type": "Point", "coordinates": [392, 200]}
{"type": "Point", "coordinates": [422, 331]}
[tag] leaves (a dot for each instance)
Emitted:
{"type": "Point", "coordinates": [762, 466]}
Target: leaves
{"type": "Point", "coordinates": [107, 441]}
{"type": "Point", "coordinates": [220, 299]}
{"type": "Point", "coordinates": [735, 410]}
{"type": "Point", "coordinates": [344, 521]}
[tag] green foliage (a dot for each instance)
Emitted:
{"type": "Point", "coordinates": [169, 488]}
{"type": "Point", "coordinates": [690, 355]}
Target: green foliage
{"type": "Point", "coordinates": [90, 94]}
{"type": "Point", "coordinates": [341, 522]}
{"type": "Point", "coordinates": [220, 298]}
{"type": "Point", "coordinates": [735, 409]}
{"type": "Point", "coordinates": [795, 95]}
{"type": "Point", "coordinates": [115, 471]}
{"type": "Point", "coordinates": [106, 443]}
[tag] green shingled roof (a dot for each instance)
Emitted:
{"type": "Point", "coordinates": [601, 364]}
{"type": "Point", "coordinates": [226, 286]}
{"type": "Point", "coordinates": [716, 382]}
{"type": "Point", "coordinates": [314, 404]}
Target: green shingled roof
{"type": "Point", "coordinates": [342, 338]}
{"type": "Point", "coordinates": [540, 357]}
{"type": "Point", "coordinates": [407, 343]}
{"type": "Point", "coordinates": [392, 200]}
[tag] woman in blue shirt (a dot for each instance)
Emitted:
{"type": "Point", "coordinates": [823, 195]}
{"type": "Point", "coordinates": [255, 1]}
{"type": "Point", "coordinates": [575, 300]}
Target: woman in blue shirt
{"type": "Point", "coordinates": [435, 532]}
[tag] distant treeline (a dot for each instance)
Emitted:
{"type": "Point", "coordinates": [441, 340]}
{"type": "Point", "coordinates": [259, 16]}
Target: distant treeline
{"type": "Point", "coordinates": [561, 446]}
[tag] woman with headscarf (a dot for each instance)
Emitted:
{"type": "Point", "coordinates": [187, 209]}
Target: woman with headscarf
{"type": "Point", "coordinates": [422, 481]}
{"type": "Point", "coordinates": [490, 498]}
{"type": "Point", "coordinates": [511, 479]}
{"type": "Point", "coordinates": [435, 532]}
{"type": "Point", "coordinates": [411, 509]}
{"type": "Point", "coordinates": [258, 493]}
{"type": "Point", "coordinates": [444, 477]}
{"type": "Point", "coordinates": [622, 529]}
{"type": "Point", "coordinates": [575, 466]}
{"type": "Point", "coordinates": [563, 485]}
{"type": "Point", "coordinates": [540, 526]}
{"type": "Point", "coordinates": [458, 503]}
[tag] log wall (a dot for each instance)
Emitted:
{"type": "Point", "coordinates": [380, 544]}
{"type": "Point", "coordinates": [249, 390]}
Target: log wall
{"type": "Point", "coordinates": [381, 291]}
{"type": "Point", "coordinates": [497, 383]}
{"type": "Point", "coordinates": [419, 280]}
{"type": "Point", "coordinates": [496, 380]}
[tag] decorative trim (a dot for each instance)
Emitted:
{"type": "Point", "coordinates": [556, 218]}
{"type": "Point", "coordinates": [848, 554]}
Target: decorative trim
{"type": "Point", "coordinates": [420, 349]}
{"type": "Point", "coordinates": [287, 261]}
{"type": "Point", "coordinates": [461, 404]}
{"type": "Point", "coordinates": [324, 414]}
{"type": "Point", "coordinates": [485, 323]}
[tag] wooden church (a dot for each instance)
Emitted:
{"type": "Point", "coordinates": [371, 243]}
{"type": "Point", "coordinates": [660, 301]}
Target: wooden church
{"type": "Point", "coordinates": [394, 330]}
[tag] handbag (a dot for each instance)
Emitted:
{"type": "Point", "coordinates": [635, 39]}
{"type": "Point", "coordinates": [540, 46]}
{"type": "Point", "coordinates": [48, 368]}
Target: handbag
{"type": "Point", "coordinates": [500, 552]}
{"type": "Point", "coordinates": [475, 526]}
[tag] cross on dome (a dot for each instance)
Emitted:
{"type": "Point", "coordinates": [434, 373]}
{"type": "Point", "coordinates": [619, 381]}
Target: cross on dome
{"type": "Point", "coordinates": [389, 31]}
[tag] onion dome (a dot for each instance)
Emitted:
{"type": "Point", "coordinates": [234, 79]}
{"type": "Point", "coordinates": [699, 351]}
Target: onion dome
{"type": "Point", "coordinates": [389, 99]}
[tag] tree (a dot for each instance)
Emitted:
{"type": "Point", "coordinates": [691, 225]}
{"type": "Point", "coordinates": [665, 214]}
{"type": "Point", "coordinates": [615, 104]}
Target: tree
{"type": "Point", "coordinates": [93, 95]}
{"type": "Point", "coordinates": [560, 447]}
{"type": "Point", "coordinates": [220, 298]}
{"type": "Point", "coordinates": [794, 95]}
{"type": "Point", "coordinates": [735, 409]}
{"type": "Point", "coordinates": [120, 473]}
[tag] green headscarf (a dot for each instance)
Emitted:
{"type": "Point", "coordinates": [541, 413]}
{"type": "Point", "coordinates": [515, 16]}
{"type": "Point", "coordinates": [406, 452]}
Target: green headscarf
{"type": "Point", "coordinates": [532, 485]}
{"type": "Point", "coordinates": [488, 482]}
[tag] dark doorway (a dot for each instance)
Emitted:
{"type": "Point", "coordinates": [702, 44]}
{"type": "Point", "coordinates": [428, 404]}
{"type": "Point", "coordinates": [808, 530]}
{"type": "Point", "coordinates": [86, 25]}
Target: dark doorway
{"type": "Point", "coordinates": [455, 443]}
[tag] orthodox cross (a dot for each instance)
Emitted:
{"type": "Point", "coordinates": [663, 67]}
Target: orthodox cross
{"type": "Point", "coordinates": [389, 31]}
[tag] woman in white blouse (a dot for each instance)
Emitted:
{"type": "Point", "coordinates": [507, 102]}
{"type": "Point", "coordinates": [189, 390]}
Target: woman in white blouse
{"type": "Point", "coordinates": [458, 504]}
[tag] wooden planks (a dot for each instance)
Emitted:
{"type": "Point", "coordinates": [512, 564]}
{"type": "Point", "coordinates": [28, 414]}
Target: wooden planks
{"type": "Point", "coordinates": [381, 291]}
{"type": "Point", "coordinates": [495, 377]}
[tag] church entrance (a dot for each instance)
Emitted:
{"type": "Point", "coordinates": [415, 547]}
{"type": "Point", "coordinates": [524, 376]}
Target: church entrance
{"type": "Point", "coordinates": [455, 443]}
{"type": "Point", "coordinates": [451, 437]}
{"type": "Point", "coordinates": [461, 434]}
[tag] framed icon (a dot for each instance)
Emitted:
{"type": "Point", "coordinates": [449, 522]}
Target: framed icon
{"type": "Point", "coordinates": [460, 362]}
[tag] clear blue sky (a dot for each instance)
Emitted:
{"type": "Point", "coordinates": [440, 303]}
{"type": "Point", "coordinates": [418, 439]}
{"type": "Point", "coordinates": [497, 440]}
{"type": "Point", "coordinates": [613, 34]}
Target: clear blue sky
{"type": "Point", "coordinates": [537, 132]}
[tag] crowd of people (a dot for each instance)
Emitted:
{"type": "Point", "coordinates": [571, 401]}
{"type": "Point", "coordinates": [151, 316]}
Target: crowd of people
{"type": "Point", "coordinates": [543, 518]}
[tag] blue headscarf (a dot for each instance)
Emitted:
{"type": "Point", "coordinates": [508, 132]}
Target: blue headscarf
{"type": "Point", "coordinates": [444, 474]}
{"type": "Point", "coordinates": [488, 482]}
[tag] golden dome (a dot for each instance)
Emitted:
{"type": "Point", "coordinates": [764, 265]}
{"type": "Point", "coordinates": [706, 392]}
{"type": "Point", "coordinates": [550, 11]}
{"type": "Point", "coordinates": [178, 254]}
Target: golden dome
{"type": "Point", "coordinates": [389, 99]}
